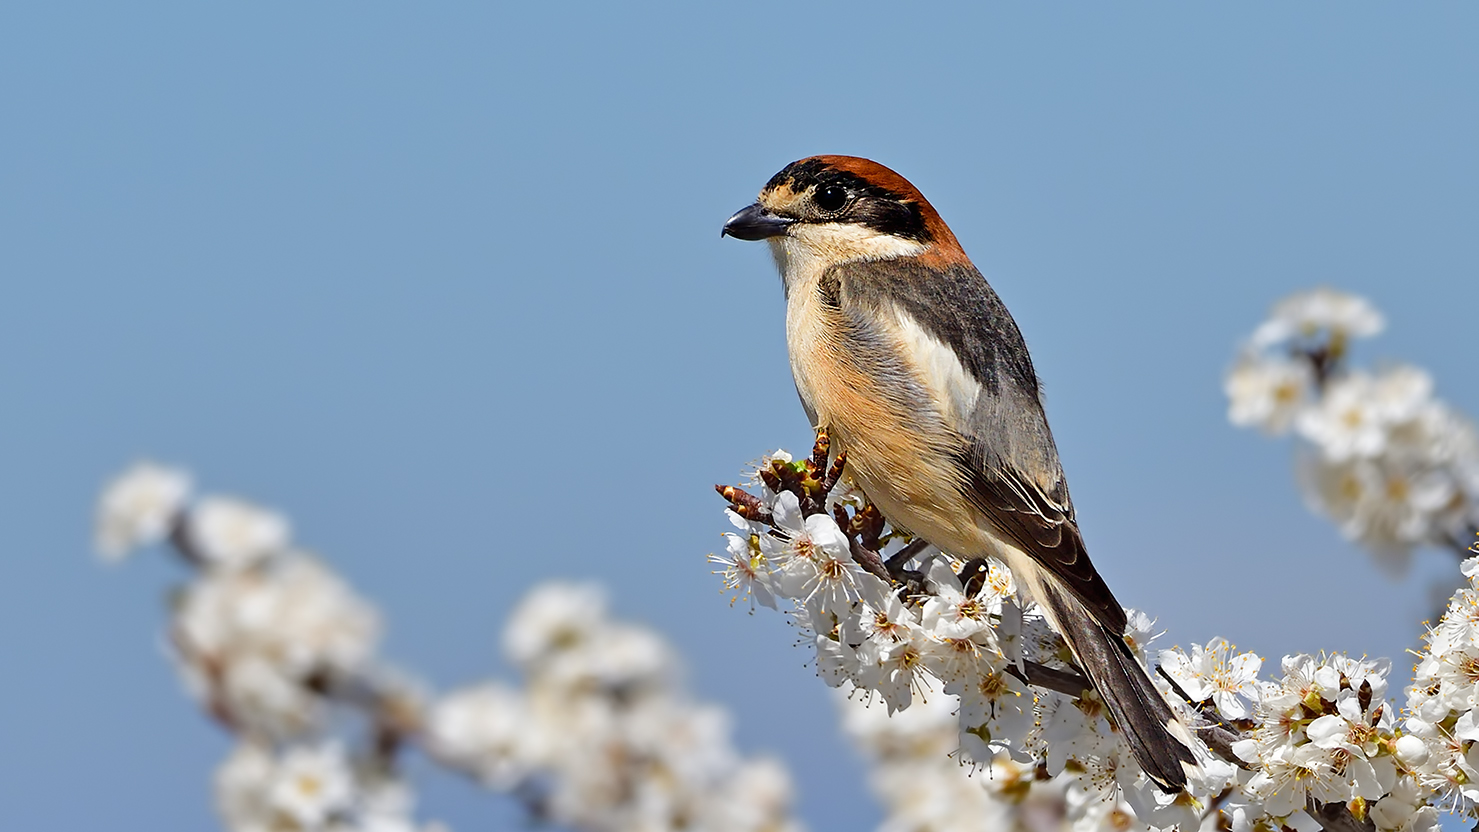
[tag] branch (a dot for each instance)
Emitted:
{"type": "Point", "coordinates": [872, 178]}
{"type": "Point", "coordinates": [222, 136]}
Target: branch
{"type": "Point", "coordinates": [868, 559]}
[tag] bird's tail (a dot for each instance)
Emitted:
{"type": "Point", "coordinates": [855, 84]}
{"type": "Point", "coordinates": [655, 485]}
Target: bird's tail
{"type": "Point", "coordinates": [1157, 738]}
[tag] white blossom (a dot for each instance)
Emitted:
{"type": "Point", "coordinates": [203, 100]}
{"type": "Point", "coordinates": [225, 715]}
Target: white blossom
{"type": "Point", "coordinates": [311, 785]}
{"type": "Point", "coordinates": [1388, 505]}
{"type": "Point", "coordinates": [1346, 423]}
{"type": "Point", "coordinates": [250, 641]}
{"type": "Point", "coordinates": [263, 697]}
{"type": "Point", "coordinates": [757, 796]}
{"type": "Point", "coordinates": [627, 656]}
{"type": "Point", "coordinates": [816, 565]}
{"type": "Point", "coordinates": [881, 616]}
{"type": "Point", "coordinates": [309, 788]}
{"type": "Point", "coordinates": [1139, 633]}
{"type": "Point", "coordinates": [241, 788]}
{"type": "Point", "coordinates": [1214, 672]}
{"type": "Point", "coordinates": [1320, 310]}
{"type": "Point", "coordinates": [551, 617]}
{"type": "Point", "coordinates": [746, 569]}
{"type": "Point", "coordinates": [138, 508]}
{"type": "Point", "coordinates": [1289, 775]}
{"type": "Point", "coordinates": [1267, 392]}
{"type": "Point", "coordinates": [234, 534]}
{"type": "Point", "coordinates": [995, 712]}
{"type": "Point", "coordinates": [896, 670]}
{"type": "Point", "coordinates": [488, 731]}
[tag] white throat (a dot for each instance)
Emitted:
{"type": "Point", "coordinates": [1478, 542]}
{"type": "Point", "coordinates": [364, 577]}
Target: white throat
{"type": "Point", "coordinates": [808, 249]}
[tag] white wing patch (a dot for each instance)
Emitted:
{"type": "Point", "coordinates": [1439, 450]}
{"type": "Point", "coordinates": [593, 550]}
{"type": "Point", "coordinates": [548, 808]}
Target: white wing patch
{"type": "Point", "coordinates": [946, 378]}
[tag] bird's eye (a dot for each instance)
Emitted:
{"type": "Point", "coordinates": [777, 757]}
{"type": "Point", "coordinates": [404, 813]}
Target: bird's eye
{"type": "Point", "coordinates": [830, 198]}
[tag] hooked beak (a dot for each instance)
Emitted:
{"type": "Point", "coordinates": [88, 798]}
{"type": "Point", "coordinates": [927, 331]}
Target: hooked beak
{"type": "Point", "coordinates": [754, 223]}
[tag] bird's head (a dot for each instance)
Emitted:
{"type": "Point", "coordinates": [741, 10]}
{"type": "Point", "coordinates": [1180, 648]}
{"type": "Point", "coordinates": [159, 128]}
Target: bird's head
{"type": "Point", "coordinates": [837, 209]}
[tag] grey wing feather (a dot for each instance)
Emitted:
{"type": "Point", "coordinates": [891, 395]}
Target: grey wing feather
{"type": "Point", "coordinates": [1044, 530]}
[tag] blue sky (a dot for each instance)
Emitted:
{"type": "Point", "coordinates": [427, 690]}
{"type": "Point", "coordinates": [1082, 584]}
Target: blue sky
{"type": "Point", "coordinates": [445, 284]}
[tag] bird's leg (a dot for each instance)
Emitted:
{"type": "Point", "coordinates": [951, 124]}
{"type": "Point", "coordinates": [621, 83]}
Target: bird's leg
{"type": "Point", "coordinates": [912, 580]}
{"type": "Point", "coordinates": [899, 559]}
{"type": "Point", "coordinates": [862, 555]}
{"type": "Point", "coordinates": [867, 524]}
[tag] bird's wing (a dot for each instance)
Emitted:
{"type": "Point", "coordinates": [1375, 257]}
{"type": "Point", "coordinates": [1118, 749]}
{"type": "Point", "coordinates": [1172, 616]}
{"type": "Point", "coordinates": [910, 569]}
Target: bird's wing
{"type": "Point", "coordinates": [1045, 530]}
{"type": "Point", "coordinates": [1007, 460]}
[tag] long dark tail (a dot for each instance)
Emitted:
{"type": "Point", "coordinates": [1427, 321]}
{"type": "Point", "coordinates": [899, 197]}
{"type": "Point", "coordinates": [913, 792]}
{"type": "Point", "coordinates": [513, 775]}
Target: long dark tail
{"type": "Point", "coordinates": [1134, 704]}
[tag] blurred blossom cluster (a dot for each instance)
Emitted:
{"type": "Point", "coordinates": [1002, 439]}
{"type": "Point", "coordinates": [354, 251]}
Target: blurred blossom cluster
{"type": "Point", "coordinates": [283, 654]}
{"type": "Point", "coordinates": [601, 737]}
{"type": "Point", "coordinates": [974, 715]}
{"type": "Point", "coordinates": [1391, 465]}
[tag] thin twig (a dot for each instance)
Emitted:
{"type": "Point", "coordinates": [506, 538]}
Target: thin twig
{"type": "Point", "coordinates": [183, 545]}
{"type": "Point", "coordinates": [869, 560]}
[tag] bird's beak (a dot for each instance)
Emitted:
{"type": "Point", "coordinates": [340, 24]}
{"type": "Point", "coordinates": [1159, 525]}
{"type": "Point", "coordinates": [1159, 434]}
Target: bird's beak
{"type": "Point", "coordinates": [755, 223]}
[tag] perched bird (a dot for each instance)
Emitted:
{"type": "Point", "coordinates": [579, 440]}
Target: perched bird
{"type": "Point", "coordinates": [906, 356]}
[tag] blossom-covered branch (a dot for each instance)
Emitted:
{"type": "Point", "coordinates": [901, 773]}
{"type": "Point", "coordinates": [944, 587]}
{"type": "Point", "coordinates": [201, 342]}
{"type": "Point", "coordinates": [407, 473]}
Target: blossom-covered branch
{"type": "Point", "coordinates": [1318, 745]}
{"type": "Point", "coordinates": [948, 676]}
{"type": "Point", "coordinates": [600, 736]}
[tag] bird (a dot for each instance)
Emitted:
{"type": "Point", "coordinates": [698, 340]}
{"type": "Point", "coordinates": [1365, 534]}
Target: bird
{"type": "Point", "coordinates": [907, 358]}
